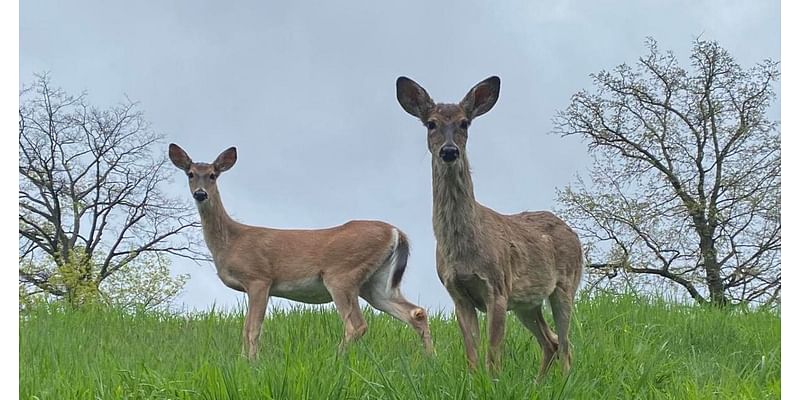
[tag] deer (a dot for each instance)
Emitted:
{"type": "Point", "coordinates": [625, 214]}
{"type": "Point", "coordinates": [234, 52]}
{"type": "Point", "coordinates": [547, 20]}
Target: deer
{"type": "Point", "coordinates": [489, 261]}
{"type": "Point", "coordinates": [364, 259]}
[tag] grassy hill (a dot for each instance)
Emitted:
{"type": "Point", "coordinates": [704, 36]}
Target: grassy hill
{"type": "Point", "coordinates": [623, 348]}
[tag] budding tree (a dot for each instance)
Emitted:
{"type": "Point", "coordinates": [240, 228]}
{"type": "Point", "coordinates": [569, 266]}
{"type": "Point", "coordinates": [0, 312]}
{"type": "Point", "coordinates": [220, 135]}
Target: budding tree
{"type": "Point", "coordinates": [91, 203]}
{"type": "Point", "coordinates": [686, 180]}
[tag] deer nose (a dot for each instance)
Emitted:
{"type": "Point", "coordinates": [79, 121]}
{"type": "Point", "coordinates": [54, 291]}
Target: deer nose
{"type": "Point", "coordinates": [449, 153]}
{"type": "Point", "coordinates": [200, 195]}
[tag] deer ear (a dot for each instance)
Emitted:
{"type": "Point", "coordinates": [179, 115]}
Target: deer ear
{"type": "Point", "coordinates": [482, 97]}
{"type": "Point", "coordinates": [179, 157]}
{"type": "Point", "coordinates": [225, 160]}
{"type": "Point", "coordinates": [413, 98]}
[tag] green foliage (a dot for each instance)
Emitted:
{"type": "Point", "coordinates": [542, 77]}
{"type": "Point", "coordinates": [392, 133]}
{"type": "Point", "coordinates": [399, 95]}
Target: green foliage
{"type": "Point", "coordinates": [144, 282]}
{"type": "Point", "coordinates": [76, 275]}
{"type": "Point", "coordinates": [27, 300]}
{"type": "Point", "coordinates": [624, 347]}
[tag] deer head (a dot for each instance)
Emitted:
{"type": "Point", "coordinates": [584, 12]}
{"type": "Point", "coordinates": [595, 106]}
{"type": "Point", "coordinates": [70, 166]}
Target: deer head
{"type": "Point", "coordinates": [202, 176]}
{"type": "Point", "coordinates": [447, 123]}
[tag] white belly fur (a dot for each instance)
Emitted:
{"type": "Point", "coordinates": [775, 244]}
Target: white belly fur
{"type": "Point", "coordinates": [307, 290]}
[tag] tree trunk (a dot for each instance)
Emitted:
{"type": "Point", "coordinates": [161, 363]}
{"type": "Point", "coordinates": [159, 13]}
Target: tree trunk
{"type": "Point", "coordinates": [713, 277]}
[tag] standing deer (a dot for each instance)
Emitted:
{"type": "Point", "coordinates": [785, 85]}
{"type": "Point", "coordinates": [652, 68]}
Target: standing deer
{"type": "Point", "coordinates": [486, 260]}
{"type": "Point", "coordinates": [339, 264]}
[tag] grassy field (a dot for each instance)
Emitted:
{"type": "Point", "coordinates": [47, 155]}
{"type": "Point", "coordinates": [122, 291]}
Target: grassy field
{"type": "Point", "coordinates": [623, 348]}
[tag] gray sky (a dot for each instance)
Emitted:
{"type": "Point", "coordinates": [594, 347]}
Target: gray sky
{"type": "Point", "coordinates": [306, 93]}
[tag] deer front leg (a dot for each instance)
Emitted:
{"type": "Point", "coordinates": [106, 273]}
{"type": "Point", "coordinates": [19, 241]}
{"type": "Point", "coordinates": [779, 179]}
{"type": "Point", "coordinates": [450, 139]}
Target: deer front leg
{"type": "Point", "coordinates": [468, 322]}
{"type": "Point", "coordinates": [496, 313]}
{"type": "Point", "coordinates": [257, 297]}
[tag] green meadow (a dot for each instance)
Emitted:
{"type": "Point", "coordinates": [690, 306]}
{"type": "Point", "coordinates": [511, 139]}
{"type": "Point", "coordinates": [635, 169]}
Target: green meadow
{"type": "Point", "coordinates": [624, 348]}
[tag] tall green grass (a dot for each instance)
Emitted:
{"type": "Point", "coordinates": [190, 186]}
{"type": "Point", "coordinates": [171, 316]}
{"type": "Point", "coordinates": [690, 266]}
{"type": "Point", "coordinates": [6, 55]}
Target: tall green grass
{"type": "Point", "coordinates": [623, 348]}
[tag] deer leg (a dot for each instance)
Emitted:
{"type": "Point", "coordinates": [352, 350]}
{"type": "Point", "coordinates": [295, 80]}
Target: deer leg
{"type": "Point", "coordinates": [561, 303]}
{"type": "Point", "coordinates": [257, 297]}
{"type": "Point", "coordinates": [534, 321]}
{"type": "Point", "coordinates": [355, 326]}
{"type": "Point", "coordinates": [549, 334]}
{"type": "Point", "coordinates": [496, 315]}
{"type": "Point", "coordinates": [394, 304]}
{"type": "Point", "coordinates": [468, 322]}
{"type": "Point", "coordinates": [245, 327]}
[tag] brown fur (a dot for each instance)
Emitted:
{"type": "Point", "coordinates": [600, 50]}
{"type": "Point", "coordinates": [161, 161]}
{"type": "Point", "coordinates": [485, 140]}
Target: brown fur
{"type": "Point", "coordinates": [339, 264]}
{"type": "Point", "coordinates": [487, 260]}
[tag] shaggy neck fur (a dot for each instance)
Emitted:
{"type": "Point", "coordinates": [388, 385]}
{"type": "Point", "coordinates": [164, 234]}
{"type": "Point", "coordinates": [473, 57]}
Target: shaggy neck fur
{"type": "Point", "coordinates": [217, 224]}
{"type": "Point", "coordinates": [455, 212]}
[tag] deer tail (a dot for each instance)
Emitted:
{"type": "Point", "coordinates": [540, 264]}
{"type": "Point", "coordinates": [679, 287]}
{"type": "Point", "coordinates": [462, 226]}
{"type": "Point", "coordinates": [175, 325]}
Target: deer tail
{"type": "Point", "coordinates": [399, 257]}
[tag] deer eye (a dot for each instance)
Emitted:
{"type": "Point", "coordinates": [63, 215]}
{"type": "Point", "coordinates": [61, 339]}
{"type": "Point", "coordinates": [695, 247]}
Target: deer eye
{"type": "Point", "coordinates": [431, 124]}
{"type": "Point", "coordinates": [464, 124]}
{"type": "Point", "coordinates": [190, 175]}
{"type": "Point", "coordinates": [212, 176]}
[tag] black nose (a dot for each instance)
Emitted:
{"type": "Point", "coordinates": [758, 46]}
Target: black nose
{"type": "Point", "coordinates": [448, 153]}
{"type": "Point", "coordinates": [200, 195]}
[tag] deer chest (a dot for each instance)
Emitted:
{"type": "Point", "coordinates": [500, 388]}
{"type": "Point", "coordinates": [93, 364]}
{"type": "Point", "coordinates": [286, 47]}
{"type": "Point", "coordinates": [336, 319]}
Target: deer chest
{"type": "Point", "coordinates": [229, 279]}
{"type": "Point", "coordinates": [468, 286]}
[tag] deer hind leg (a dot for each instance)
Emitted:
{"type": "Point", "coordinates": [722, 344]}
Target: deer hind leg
{"type": "Point", "coordinates": [561, 302]}
{"type": "Point", "coordinates": [257, 298]}
{"type": "Point", "coordinates": [551, 336]}
{"type": "Point", "coordinates": [392, 302]}
{"type": "Point", "coordinates": [346, 302]}
{"type": "Point", "coordinates": [534, 321]}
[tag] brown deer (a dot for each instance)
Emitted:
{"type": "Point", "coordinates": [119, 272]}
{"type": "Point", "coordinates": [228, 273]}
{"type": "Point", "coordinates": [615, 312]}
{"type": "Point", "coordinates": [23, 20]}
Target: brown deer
{"type": "Point", "coordinates": [486, 260]}
{"type": "Point", "coordinates": [339, 264]}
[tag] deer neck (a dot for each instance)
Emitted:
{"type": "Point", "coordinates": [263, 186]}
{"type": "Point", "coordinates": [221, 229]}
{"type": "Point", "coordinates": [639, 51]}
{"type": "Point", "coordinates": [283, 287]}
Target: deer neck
{"type": "Point", "coordinates": [218, 226]}
{"type": "Point", "coordinates": [455, 211]}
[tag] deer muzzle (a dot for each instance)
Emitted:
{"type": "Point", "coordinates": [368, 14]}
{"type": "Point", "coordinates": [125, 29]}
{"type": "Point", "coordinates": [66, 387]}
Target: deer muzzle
{"type": "Point", "coordinates": [200, 195]}
{"type": "Point", "coordinates": [449, 153]}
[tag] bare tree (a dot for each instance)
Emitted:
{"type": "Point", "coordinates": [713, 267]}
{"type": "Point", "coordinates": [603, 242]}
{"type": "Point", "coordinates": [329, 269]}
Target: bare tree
{"type": "Point", "coordinates": [90, 198]}
{"type": "Point", "coordinates": [686, 177]}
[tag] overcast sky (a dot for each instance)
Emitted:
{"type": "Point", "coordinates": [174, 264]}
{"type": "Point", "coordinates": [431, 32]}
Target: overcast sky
{"type": "Point", "coordinates": [306, 93]}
